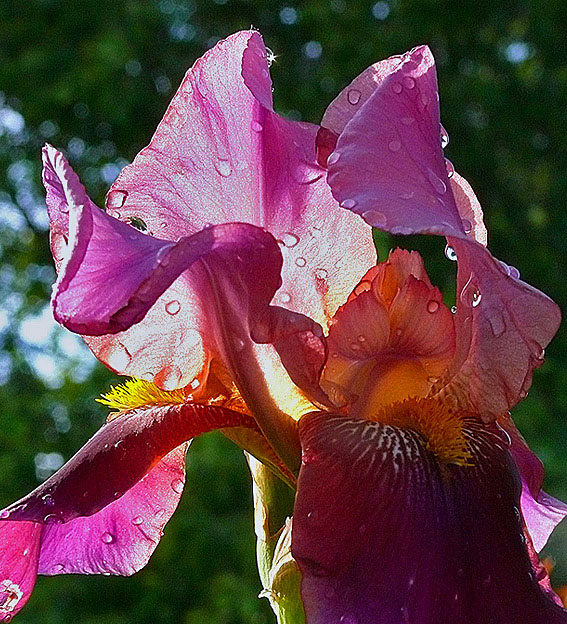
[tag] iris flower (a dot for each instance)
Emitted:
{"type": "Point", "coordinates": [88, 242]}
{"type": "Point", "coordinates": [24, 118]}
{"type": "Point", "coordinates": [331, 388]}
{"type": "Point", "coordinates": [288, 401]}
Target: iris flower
{"type": "Point", "coordinates": [233, 277]}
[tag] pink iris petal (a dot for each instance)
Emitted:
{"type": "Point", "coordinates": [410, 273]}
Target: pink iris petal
{"type": "Point", "coordinates": [385, 532]}
{"type": "Point", "coordinates": [121, 537]}
{"type": "Point", "coordinates": [389, 167]}
{"type": "Point", "coordinates": [105, 509]}
{"type": "Point", "coordinates": [18, 565]}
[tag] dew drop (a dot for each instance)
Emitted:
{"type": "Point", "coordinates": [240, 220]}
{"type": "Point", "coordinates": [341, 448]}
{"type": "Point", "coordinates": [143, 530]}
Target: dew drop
{"type": "Point", "coordinates": [476, 298]}
{"type": "Point", "coordinates": [375, 218]}
{"type": "Point", "coordinates": [353, 96]}
{"type": "Point", "coordinates": [163, 224]}
{"type": "Point", "coordinates": [453, 309]}
{"type": "Point", "coordinates": [450, 253]}
{"type": "Point", "coordinates": [444, 137]}
{"type": "Point", "coordinates": [137, 520]}
{"type": "Point", "coordinates": [436, 182]}
{"type": "Point", "coordinates": [398, 332]}
{"type": "Point", "coordinates": [223, 168]}
{"type": "Point", "coordinates": [118, 358]}
{"type": "Point", "coordinates": [321, 274]}
{"type": "Point", "coordinates": [361, 338]}
{"type": "Point", "coordinates": [513, 272]}
{"type": "Point", "coordinates": [59, 567]}
{"type": "Point", "coordinates": [4, 514]}
{"type": "Point", "coordinates": [177, 485]}
{"type": "Point", "coordinates": [301, 262]}
{"type": "Point", "coordinates": [238, 344]}
{"type": "Point", "coordinates": [115, 199]}
{"type": "Point", "coordinates": [349, 204]}
{"type": "Point", "coordinates": [409, 82]}
{"type": "Point", "coordinates": [394, 146]}
{"type": "Point", "coordinates": [467, 226]}
{"type": "Point", "coordinates": [333, 158]}
{"type": "Point", "coordinates": [402, 230]}
{"type": "Point", "coordinates": [52, 519]}
{"type": "Point", "coordinates": [290, 240]}
{"type": "Point", "coordinates": [160, 513]}
{"type": "Point", "coordinates": [257, 126]}
{"type": "Point", "coordinates": [397, 88]}
{"type": "Point", "coordinates": [107, 538]}
{"type": "Point", "coordinates": [172, 307]}
{"type": "Point", "coordinates": [195, 384]}
{"type": "Point", "coordinates": [48, 500]}
{"type": "Point", "coordinates": [432, 306]}
{"type": "Point", "coordinates": [285, 297]}
{"type": "Point", "coordinates": [138, 223]}
{"type": "Point", "coordinates": [432, 380]}
{"type": "Point", "coordinates": [450, 168]}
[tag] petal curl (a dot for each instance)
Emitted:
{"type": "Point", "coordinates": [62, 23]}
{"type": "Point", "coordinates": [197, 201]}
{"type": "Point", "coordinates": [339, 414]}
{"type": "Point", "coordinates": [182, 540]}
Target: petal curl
{"type": "Point", "coordinates": [384, 532]}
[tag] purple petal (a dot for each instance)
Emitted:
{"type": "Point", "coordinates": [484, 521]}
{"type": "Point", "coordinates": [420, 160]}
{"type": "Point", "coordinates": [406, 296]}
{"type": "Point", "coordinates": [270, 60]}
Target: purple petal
{"type": "Point", "coordinates": [121, 537]}
{"type": "Point", "coordinates": [503, 326]}
{"type": "Point", "coordinates": [18, 565]}
{"type": "Point", "coordinates": [385, 532]}
{"type": "Point", "coordinates": [388, 165]}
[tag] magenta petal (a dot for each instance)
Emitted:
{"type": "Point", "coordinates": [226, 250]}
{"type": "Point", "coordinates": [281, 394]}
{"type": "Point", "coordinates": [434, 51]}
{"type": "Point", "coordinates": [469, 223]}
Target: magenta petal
{"type": "Point", "coordinates": [388, 165]}
{"type": "Point", "coordinates": [121, 537]}
{"type": "Point", "coordinates": [116, 458]}
{"type": "Point", "coordinates": [384, 533]}
{"type": "Point", "coordinates": [18, 565]}
{"type": "Point", "coordinates": [503, 326]}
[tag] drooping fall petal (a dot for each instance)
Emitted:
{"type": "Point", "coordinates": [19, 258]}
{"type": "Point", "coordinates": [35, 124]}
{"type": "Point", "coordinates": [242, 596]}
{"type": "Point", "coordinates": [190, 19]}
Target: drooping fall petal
{"type": "Point", "coordinates": [385, 531]}
{"type": "Point", "coordinates": [104, 510]}
{"type": "Point", "coordinates": [388, 166]}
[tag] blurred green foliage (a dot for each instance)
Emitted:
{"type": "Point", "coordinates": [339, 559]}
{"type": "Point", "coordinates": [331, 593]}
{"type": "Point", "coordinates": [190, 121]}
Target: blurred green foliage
{"type": "Point", "coordinates": [94, 78]}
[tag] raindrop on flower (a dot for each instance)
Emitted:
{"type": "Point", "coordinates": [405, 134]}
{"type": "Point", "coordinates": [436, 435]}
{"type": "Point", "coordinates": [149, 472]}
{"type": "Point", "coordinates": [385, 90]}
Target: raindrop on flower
{"type": "Point", "coordinates": [107, 538]}
{"type": "Point", "coordinates": [285, 297]}
{"type": "Point", "coordinates": [290, 240]}
{"type": "Point", "coordinates": [476, 298]}
{"type": "Point", "coordinates": [48, 500]}
{"type": "Point", "coordinates": [432, 306]}
{"type": "Point", "coordinates": [450, 168]}
{"type": "Point", "coordinates": [397, 88]}
{"type": "Point", "coordinates": [409, 82]}
{"type": "Point", "coordinates": [375, 218]}
{"type": "Point", "coordinates": [160, 513]}
{"type": "Point", "coordinates": [4, 514]}
{"type": "Point", "coordinates": [115, 199]}
{"type": "Point", "coordinates": [453, 309]}
{"type": "Point", "coordinates": [52, 519]}
{"type": "Point", "coordinates": [321, 274]}
{"type": "Point", "coordinates": [467, 226]}
{"type": "Point", "coordinates": [172, 307]}
{"type": "Point", "coordinates": [436, 182]}
{"type": "Point", "coordinates": [137, 520]}
{"type": "Point", "coordinates": [177, 485]}
{"type": "Point", "coordinates": [195, 384]}
{"type": "Point", "coordinates": [353, 96]}
{"type": "Point", "coordinates": [450, 253]}
{"type": "Point", "coordinates": [257, 126]}
{"type": "Point", "coordinates": [394, 146]}
{"type": "Point", "coordinates": [444, 137]}
{"type": "Point", "coordinates": [333, 158]}
{"type": "Point", "coordinates": [513, 272]}
{"type": "Point", "coordinates": [223, 167]}
{"type": "Point", "coordinates": [301, 262]}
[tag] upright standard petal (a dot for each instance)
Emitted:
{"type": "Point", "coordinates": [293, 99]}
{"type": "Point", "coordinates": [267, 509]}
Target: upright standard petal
{"type": "Point", "coordinates": [389, 168]}
{"type": "Point", "coordinates": [388, 531]}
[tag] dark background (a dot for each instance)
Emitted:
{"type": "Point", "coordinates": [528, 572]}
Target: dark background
{"type": "Point", "coordinates": [94, 77]}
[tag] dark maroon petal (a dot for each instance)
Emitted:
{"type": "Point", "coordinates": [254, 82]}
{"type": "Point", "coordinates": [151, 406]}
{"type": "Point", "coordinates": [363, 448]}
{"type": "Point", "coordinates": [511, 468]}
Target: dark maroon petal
{"type": "Point", "coordinates": [385, 533]}
{"type": "Point", "coordinates": [116, 458]}
{"type": "Point", "coordinates": [19, 546]}
{"type": "Point", "coordinates": [122, 536]}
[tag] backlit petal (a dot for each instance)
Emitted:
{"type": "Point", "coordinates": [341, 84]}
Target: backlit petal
{"type": "Point", "coordinates": [384, 532]}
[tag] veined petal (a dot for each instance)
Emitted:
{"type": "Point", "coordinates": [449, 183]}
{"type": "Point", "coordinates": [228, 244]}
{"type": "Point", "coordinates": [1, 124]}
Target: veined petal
{"type": "Point", "coordinates": [104, 510]}
{"type": "Point", "coordinates": [384, 531]}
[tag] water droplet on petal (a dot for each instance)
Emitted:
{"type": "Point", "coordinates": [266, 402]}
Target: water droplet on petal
{"type": "Point", "coordinates": [115, 199]}
{"type": "Point", "coordinates": [476, 298]}
{"type": "Point", "coordinates": [349, 204]}
{"type": "Point", "coordinates": [137, 520]}
{"type": "Point", "coordinates": [107, 538]}
{"type": "Point", "coordinates": [333, 158]}
{"type": "Point", "coordinates": [285, 297]}
{"type": "Point", "coordinates": [444, 137]}
{"type": "Point", "coordinates": [409, 82]}
{"type": "Point", "coordinates": [397, 88]}
{"type": "Point", "coordinates": [513, 272]}
{"type": "Point", "coordinates": [58, 568]}
{"type": "Point", "coordinates": [321, 274]}
{"type": "Point", "coordinates": [4, 514]}
{"type": "Point", "coordinates": [353, 96]}
{"type": "Point", "coordinates": [432, 306]}
{"type": "Point", "coordinates": [436, 182]}
{"type": "Point", "coordinates": [450, 253]}
{"type": "Point", "coordinates": [375, 218]}
{"type": "Point", "coordinates": [394, 146]}
{"type": "Point", "coordinates": [177, 485]}
{"type": "Point", "coordinates": [172, 307]}
{"type": "Point", "coordinates": [467, 226]}
{"type": "Point", "coordinates": [402, 230]}
{"type": "Point", "coordinates": [257, 126]}
{"type": "Point", "coordinates": [450, 168]}
{"type": "Point", "coordinates": [223, 167]}
{"type": "Point", "coordinates": [301, 262]}
{"type": "Point", "coordinates": [432, 380]}
{"type": "Point", "coordinates": [453, 309]}
{"type": "Point", "coordinates": [48, 500]}
{"type": "Point", "coordinates": [52, 519]}
{"type": "Point", "coordinates": [118, 357]}
{"type": "Point", "coordinates": [160, 513]}
{"type": "Point", "coordinates": [290, 240]}
{"type": "Point", "coordinates": [361, 338]}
